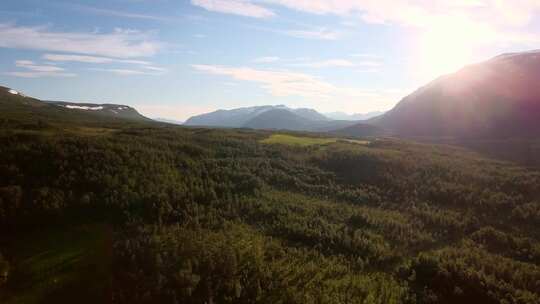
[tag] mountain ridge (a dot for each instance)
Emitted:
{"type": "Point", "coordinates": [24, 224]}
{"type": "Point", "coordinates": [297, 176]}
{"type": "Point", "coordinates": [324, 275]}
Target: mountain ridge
{"type": "Point", "coordinates": [496, 98]}
{"type": "Point", "coordinates": [13, 99]}
{"type": "Point", "coordinates": [280, 117]}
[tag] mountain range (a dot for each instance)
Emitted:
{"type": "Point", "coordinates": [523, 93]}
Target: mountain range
{"type": "Point", "coordinates": [269, 117]}
{"type": "Point", "coordinates": [495, 99]}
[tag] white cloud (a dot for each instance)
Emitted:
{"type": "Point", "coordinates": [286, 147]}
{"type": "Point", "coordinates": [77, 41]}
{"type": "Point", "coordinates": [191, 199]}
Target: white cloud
{"type": "Point", "coordinates": [319, 34]}
{"type": "Point", "coordinates": [366, 55]}
{"type": "Point", "coordinates": [40, 74]}
{"type": "Point", "coordinates": [114, 13]}
{"type": "Point", "coordinates": [145, 67]}
{"type": "Point", "coordinates": [33, 70]}
{"type": "Point", "coordinates": [279, 83]}
{"type": "Point", "coordinates": [502, 21]}
{"type": "Point", "coordinates": [416, 12]}
{"type": "Point", "coordinates": [308, 32]}
{"type": "Point", "coordinates": [129, 72]}
{"type": "Point", "coordinates": [286, 83]}
{"type": "Point", "coordinates": [90, 59]}
{"type": "Point", "coordinates": [120, 43]}
{"type": "Point", "coordinates": [30, 65]}
{"type": "Point", "coordinates": [154, 68]}
{"type": "Point", "coordinates": [337, 63]}
{"type": "Point", "coordinates": [327, 64]}
{"type": "Point", "coordinates": [267, 59]}
{"type": "Point", "coordinates": [236, 7]}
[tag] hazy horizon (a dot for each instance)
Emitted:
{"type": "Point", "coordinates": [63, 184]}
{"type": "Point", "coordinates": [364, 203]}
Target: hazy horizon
{"type": "Point", "coordinates": [175, 59]}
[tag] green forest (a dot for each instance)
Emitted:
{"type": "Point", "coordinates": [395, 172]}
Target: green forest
{"type": "Point", "coordinates": [110, 211]}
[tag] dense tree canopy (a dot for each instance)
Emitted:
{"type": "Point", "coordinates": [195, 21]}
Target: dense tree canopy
{"type": "Point", "coordinates": [217, 216]}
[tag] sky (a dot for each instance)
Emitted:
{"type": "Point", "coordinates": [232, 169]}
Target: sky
{"type": "Point", "coordinates": [174, 59]}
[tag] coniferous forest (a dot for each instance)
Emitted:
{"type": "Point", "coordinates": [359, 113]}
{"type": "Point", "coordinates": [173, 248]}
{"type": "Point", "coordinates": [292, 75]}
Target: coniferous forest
{"type": "Point", "coordinates": [97, 210]}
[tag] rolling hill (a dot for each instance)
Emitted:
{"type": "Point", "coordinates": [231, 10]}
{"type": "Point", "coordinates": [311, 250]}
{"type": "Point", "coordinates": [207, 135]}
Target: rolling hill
{"type": "Point", "coordinates": [12, 97]}
{"type": "Point", "coordinates": [107, 110]}
{"type": "Point", "coordinates": [34, 110]}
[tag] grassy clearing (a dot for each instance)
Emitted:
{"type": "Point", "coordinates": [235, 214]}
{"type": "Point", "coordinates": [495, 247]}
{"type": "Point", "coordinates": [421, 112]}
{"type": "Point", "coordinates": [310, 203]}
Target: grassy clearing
{"type": "Point", "coordinates": [356, 141]}
{"type": "Point", "coordinates": [304, 141]}
{"type": "Point", "coordinates": [60, 266]}
{"type": "Point", "coordinates": [297, 140]}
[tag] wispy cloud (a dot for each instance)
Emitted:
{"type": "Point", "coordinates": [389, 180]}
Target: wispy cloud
{"type": "Point", "coordinates": [90, 59]}
{"type": "Point", "coordinates": [267, 59]}
{"type": "Point", "coordinates": [143, 67]}
{"type": "Point", "coordinates": [287, 83]}
{"type": "Point", "coordinates": [33, 70]}
{"type": "Point", "coordinates": [155, 69]}
{"type": "Point", "coordinates": [279, 83]}
{"type": "Point", "coordinates": [30, 65]}
{"type": "Point", "coordinates": [319, 34]}
{"type": "Point", "coordinates": [152, 71]}
{"type": "Point", "coordinates": [337, 63]}
{"type": "Point", "coordinates": [39, 74]}
{"type": "Point", "coordinates": [366, 55]}
{"type": "Point", "coordinates": [381, 11]}
{"type": "Point", "coordinates": [119, 43]}
{"type": "Point", "coordinates": [499, 21]}
{"type": "Point", "coordinates": [236, 7]}
{"type": "Point", "coordinates": [371, 63]}
{"type": "Point", "coordinates": [114, 13]}
{"type": "Point", "coordinates": [503, 21]}
{"type": "Point", "coordinates": [303, 31]}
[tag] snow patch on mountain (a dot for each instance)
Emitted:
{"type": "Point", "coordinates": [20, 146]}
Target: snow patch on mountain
{"type": "Point", "coordinates": [86, 108]}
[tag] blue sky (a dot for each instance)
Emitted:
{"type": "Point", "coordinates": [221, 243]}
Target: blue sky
{"type": "Point", "coordinates": [174, 59]}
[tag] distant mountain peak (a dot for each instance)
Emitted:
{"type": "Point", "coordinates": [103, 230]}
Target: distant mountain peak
{"type": "Point", "coordinates": [237, 118]}
{"type": "Point", "coordinates": [269, 117]}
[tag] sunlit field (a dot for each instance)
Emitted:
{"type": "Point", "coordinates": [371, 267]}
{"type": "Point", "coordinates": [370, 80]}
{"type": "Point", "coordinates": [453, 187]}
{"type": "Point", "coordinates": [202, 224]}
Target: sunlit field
{"type": "Point", "coordinates": [296, 140]}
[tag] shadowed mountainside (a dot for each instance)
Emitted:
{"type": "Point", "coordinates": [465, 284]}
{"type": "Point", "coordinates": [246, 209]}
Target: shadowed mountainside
{"type": "Point", "coordinates": [498, 98]}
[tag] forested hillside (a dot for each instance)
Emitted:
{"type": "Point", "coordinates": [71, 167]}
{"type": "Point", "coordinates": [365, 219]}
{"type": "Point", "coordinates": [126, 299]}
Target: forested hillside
{"type": "Point", "coordinates": [105, 210]}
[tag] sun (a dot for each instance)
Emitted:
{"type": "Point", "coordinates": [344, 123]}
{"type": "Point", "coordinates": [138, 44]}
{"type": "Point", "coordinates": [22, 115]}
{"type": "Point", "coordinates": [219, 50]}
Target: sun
{"type": "Point", "coordinates": [446, 46]}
